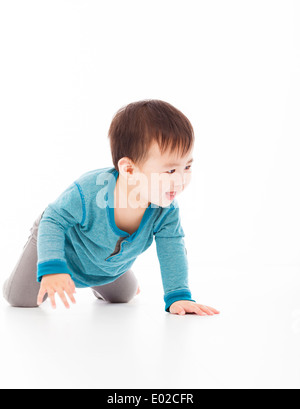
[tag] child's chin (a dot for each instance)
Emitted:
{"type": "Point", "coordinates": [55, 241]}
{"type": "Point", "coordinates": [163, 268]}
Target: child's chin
{"type": "Point", "coordinates": [166, 203]}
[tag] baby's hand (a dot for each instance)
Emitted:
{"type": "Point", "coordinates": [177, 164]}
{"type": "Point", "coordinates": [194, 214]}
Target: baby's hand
{"type": "Point", "coordinates": [59, 283]}
{"type": "Point", "coordinates": [181, 307]}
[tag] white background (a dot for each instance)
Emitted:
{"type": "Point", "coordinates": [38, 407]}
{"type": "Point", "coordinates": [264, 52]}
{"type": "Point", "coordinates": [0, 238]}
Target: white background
{"type": "Point", "coordinates": [233, 67]}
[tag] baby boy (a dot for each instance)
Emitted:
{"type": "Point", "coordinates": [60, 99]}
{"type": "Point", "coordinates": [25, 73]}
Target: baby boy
{"type": "Point", "coordinates": [92, 233]}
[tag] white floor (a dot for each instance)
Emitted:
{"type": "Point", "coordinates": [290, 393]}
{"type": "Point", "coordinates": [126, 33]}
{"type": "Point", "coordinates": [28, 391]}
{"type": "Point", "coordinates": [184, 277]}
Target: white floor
{"type": "Point", "coordinates": [254, 343]}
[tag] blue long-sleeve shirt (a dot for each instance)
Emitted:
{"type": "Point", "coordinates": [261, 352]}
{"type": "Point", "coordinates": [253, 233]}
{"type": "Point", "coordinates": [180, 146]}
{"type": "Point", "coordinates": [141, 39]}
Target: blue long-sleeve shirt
{"type": "Point", "coordinates": [77, 235]}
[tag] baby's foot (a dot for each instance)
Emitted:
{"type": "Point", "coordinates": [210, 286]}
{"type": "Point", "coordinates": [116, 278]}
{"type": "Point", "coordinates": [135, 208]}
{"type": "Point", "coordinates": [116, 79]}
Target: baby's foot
{"type": "Point", "coordinates": [138, 290]}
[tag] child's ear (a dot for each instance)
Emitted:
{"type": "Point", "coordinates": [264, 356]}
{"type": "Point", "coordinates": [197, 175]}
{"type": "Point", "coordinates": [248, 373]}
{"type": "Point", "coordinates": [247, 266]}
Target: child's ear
{"type": "Point", "coordinates": [126, 166]}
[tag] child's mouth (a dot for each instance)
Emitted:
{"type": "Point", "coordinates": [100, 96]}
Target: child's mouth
{"type": "Point", "coordinates": [171, 195]}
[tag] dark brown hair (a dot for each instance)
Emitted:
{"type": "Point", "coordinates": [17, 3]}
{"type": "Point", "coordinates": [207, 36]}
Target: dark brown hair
{"type": "Point", "coordinates": [136, 126]}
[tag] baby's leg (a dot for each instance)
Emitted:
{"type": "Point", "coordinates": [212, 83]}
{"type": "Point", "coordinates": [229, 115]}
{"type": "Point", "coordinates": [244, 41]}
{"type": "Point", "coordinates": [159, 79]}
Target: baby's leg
{"type": "Point", "coordinates": [21, 288]}
{"type": "Point", "coordinates": [121, 290]}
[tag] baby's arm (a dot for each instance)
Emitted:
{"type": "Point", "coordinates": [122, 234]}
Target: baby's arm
{"type": "Point", "coordinates": [173, 260]}
{"type": "Point", "coordinates": [53, 272]}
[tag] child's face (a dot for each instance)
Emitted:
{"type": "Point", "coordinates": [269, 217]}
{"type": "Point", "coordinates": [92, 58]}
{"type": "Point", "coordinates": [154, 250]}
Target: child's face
{"type": "Point", "coordinates": [162, 174]}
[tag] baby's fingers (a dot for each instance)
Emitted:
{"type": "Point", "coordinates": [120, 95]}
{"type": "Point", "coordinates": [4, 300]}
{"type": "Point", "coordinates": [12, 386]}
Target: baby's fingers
{"type": "Point", "coordinates": [71, 296]}
{"type": "Point", "coordinates": [212, 310]}
{"type": "Point", "coordinates": [51, 295]}
{"type": "Point", "coordinates": [63, 298]}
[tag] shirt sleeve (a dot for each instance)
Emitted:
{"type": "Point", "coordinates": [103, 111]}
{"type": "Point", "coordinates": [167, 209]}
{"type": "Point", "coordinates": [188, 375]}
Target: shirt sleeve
{"type": "Point", "coordinates": [59, 216]}
{"type": "Point", "coordinates": [172, 256]}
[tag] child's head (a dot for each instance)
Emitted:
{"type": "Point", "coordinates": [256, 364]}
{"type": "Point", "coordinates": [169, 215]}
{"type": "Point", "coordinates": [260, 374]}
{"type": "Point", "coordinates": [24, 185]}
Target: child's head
{"type": "Point", "coordinates": [152, 141]}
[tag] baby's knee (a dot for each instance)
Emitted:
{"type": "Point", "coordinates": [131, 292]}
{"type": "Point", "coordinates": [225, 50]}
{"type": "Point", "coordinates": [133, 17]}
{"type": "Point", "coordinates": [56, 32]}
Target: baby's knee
{"type": "Point", "coordinates": [19, 303]}
{"type": "Point", "coordinates": [121, 290]}
{"type": "Point", "coordinates": [122, 298]}
{"type": "Point", "coordinates": [16, 298]}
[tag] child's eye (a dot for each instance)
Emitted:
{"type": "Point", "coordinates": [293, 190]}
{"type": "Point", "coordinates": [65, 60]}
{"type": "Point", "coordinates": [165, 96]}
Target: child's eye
{"type": "Point", "coordinates": [170, 172]}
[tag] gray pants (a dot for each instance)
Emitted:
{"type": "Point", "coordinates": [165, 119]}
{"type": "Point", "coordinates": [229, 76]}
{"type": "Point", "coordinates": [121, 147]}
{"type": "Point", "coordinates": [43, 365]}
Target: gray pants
{"type": "Point", "coordinates": [21, 288]}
